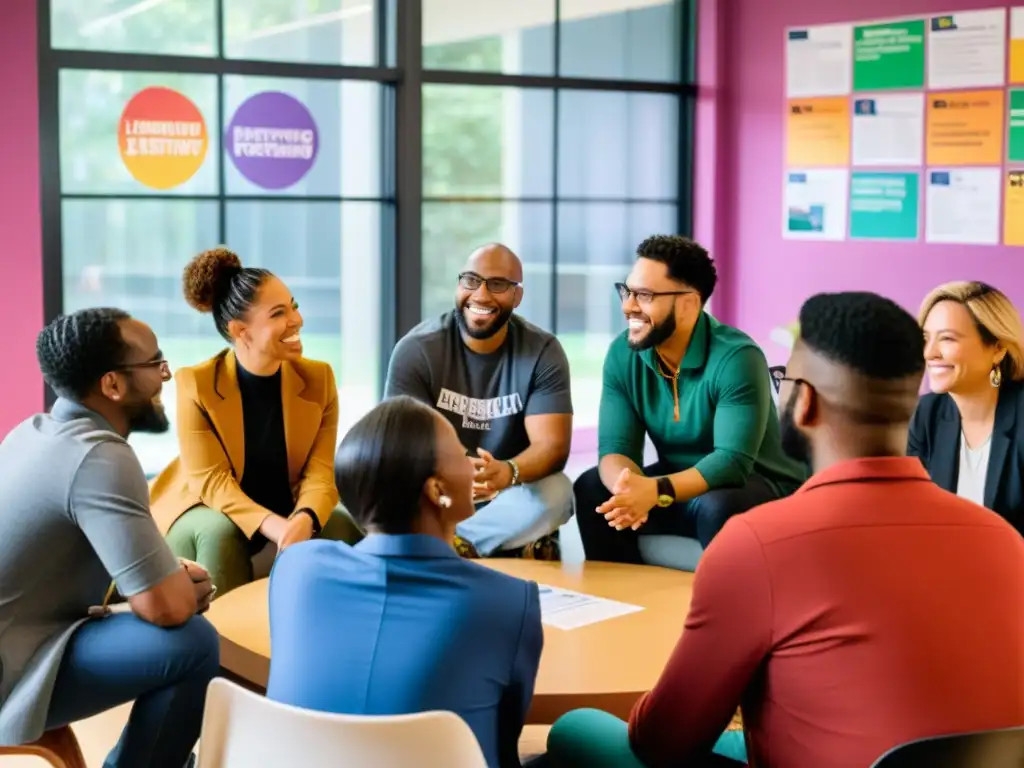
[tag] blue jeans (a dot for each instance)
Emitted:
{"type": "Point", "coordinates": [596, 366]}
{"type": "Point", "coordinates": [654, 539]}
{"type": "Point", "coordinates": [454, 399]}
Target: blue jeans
{"type": "Point", "coordinates": [114, 660]}
{"type": "Point", "coordinates": [520, 515]}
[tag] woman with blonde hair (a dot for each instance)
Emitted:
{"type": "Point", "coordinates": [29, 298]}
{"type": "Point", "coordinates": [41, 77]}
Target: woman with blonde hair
{"type": "Point", "coordinates": [969, 432]}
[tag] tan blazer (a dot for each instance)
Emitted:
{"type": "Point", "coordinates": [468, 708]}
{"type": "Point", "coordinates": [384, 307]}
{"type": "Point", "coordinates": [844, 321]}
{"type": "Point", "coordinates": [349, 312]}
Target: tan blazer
{"type": "Point", "coordinates": [211, 439]}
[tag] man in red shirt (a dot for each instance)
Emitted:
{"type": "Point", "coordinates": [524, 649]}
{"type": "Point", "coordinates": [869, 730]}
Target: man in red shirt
{"type": "Point", "coordinates": [869, 609]}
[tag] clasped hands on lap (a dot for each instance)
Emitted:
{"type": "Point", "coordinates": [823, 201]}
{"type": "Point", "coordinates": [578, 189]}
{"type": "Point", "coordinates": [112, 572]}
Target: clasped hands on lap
{"type": "Point", "coordinates": [285, 531]}
{"type": "Point", "coordinates": [491, 476]}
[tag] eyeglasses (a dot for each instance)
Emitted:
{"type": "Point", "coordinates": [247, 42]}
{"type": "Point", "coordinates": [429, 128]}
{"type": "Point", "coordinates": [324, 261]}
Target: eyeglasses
{"type": "Point", "coordinates": [778, 374]}
{"type": "Point", "coordinates": [644, 297]}
{"type": "Point", "coordinates": [162, 364]}
{"type": "Point", "coordinates": [471, 281]}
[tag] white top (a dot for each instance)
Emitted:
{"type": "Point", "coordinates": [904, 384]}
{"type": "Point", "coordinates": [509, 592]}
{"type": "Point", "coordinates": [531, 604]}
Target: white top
{"type": "Point", "coordinates": [970, 483]}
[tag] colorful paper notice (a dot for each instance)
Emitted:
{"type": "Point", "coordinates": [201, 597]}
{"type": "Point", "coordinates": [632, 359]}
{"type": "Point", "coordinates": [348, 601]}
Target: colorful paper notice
{"type": "Point", "coordinates": [272, 140]}
{"type": "Point", "coordinates": [888, 56]}
{"type": "Point", "coordinates": [888, 129]}
{"type": "Point", "coordinates": [1015, 145]}
{"type": "Point", "coordinates": [818, 132]}
{"type": "Point", "coordinates": [815, 204]}
{"type": "Point", "coordinates": [819, 61]}
{"type": "Point", "coordinates": [162, 137]}
{"type": "Point", "coordinates": [967, 50]}
{"type": "Point", "coordinates": [962, 206]}
{"type": "Point", "coordinates": [884, 206]}
{"type": "Point", "coordinates": [1013, 223]}
{"type": "Point", "coordinates": [965, 128]}
{"type": "Point", "coordinates": [1017, 45]}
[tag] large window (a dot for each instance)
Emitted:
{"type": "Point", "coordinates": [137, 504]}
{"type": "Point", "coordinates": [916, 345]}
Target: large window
{"type": "Point", "coordinates": [405, 133]}
{"type": "Point", "coordinates": [563, 142]}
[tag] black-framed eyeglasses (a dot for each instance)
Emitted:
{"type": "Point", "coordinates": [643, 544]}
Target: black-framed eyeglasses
{"type": "Point", "coordinates": [778, 374]}
{"type": "Point", "coordinates": [161, 363]}
{"type": "Point", "coordinates": [644, 297]}
{"type": "Point", "coordinates": [471, 281]}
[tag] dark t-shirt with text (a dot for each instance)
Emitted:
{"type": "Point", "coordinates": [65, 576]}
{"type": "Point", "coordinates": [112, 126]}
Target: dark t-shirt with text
{"type": "Point", "coordinates": [486, 397]}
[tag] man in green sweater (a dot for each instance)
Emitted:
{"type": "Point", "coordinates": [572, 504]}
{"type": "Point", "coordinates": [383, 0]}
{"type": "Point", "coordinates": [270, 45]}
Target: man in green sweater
{"type": "Point", "coordinates": [702, 392]}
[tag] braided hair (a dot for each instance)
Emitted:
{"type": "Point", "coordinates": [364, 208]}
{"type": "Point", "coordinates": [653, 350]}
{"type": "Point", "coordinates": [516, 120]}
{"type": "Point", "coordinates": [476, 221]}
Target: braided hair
{"type": "Point", "coordinates": [76, 350]}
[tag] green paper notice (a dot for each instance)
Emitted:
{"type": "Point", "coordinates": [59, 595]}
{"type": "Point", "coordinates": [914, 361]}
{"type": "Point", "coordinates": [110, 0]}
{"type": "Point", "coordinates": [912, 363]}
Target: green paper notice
{"type": "Point", "coordinates": [884, 206]}
{"type": "Point", "coordinates": [888, 56]}
{"type": "Point", "coordinates": [1016, 143]}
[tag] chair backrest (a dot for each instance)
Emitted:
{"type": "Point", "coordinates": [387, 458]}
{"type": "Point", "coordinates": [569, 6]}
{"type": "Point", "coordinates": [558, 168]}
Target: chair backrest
{"type": "Point", "coordinates": [245, 730]}
{"type": "Point", "coordinates": [984, 749]}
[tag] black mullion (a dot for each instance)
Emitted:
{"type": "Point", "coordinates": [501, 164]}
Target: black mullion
{"type": "Point", "coordinates": [49, 177]}
{"type": "Point", "coordinates": [222, 206]}
{"type": "Point", "coordinates": [687, 116]}
{"type": "Point", "coordinates": [499, 79]}
{"type": "Point", "coordinates": [234, 198]}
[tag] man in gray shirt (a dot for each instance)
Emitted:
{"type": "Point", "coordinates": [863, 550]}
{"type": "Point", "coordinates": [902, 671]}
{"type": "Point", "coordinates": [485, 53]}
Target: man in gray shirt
{"type": "Point", "coordinates": [74, 524]}
{"type": "Point", "coordinates": [504, 385]}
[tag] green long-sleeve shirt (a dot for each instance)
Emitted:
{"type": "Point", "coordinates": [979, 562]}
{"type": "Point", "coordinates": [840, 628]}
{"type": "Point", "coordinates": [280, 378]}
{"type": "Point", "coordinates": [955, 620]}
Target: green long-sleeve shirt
{"type": "Point", "coordinates": [727, 425]}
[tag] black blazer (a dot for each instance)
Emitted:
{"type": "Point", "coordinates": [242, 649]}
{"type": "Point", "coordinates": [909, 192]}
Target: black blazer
{"type": "Point", "coordinates": [935, 439]}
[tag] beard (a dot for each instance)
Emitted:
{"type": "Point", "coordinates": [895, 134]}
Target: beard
{"type": "Point", "coordinates": [794, 442]}
{"type": "Point", "coordinates": [498, 321]}
{"type": "Point", "coordinates": [658, 334]}
{"type": "Point", "coordinates": [148, 417]}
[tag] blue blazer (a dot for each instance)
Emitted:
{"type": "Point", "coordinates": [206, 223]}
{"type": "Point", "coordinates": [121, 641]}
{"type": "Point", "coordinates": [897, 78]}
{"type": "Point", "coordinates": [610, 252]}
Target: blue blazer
{"type": "Point", "coordinates": [935, 439]}
{"type": "Point", "coordinates": [402, 624]}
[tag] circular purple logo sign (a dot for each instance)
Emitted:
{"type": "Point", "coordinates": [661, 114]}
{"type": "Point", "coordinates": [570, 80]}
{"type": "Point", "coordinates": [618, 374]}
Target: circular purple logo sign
{"type": "Point", "coordinates": [272, 140]}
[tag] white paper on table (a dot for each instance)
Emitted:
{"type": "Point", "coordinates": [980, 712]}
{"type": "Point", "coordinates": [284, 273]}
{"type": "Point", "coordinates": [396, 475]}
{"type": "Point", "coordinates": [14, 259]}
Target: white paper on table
{"type": "Point", "coordinates": [565, 609]}
{"type": "Point", "coordinates": [967, 50]}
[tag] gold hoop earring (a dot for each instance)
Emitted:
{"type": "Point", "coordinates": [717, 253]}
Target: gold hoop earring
{"type": "Point", "coordinates": [996, 377]}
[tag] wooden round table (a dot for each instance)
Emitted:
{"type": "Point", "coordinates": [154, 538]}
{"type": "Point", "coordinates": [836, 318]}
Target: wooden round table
{"type": "Point", "coordinates": [607, 665]}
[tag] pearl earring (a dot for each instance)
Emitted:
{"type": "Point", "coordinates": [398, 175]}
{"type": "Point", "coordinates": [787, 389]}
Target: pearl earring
{"type": "Point", "coordinates": [444, 502]}
{"type": "Point", "coordinates": [996, 377]}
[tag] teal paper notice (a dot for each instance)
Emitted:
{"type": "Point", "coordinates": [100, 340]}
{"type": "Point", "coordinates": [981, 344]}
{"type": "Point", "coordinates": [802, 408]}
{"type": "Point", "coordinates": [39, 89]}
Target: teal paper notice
{"type": "Point", "coordinates": [884, 206]}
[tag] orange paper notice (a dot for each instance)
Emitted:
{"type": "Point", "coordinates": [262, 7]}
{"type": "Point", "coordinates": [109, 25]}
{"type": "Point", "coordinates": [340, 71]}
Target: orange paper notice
{"type": "Point", "coordinates": [818, 133]}
{"type": "Point", "coordinates": [965, 128]}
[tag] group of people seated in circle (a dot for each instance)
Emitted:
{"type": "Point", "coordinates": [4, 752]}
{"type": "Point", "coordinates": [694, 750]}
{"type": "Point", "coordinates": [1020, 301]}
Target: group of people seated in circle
{"type": "Point", "coordinates": [862, 583]}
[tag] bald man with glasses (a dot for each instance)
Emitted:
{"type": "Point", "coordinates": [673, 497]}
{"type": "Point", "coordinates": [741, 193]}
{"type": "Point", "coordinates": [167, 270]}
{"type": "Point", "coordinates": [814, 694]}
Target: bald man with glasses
{"type": "Point", "coordinates": [503, 383]}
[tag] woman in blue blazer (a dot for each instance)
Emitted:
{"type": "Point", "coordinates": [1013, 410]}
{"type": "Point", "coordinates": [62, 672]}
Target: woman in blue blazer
{"type": "Point", "coordinates": [969, 432]}
{"type": "Point", "coordinates": [399, 623]}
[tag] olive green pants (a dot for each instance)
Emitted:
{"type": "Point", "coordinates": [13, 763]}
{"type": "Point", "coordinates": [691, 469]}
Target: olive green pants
{"type": "Point", "coordinates": [210, 538]}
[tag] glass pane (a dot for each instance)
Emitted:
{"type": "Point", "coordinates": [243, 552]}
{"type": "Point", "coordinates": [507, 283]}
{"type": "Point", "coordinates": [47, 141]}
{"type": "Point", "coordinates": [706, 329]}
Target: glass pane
{"type": "Point", "coordinates": [179, 27]}
{"type": "Point", "coordinates": [138, 133]}
{"type": "Point", "coordinates": [329, 255]}
{"type": "Point", "coordinates": [621, 39]}
{"type": "Point", "coordinates": [330, 146]}
{"type": "Point", "coordinates": [482, 141]}
{"type": "Point", "coordinates": [596, 247]}
{"type": "Point", "coordinates": [452, 231]}
{"type": "Point", "coordinates": [636, 137]}
{"type": "Point", "coordinates": [511, 37]}
{"type": "Point", "coordinates": [306, 31]}
{"type": "Point", "coordinates": [130, 254]}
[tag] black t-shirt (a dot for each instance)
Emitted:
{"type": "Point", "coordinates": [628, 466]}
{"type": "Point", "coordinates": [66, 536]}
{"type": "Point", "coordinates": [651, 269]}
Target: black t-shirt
{"type": "Point", "coordinates": [486, 397]}
{"type": "Point", "coordinates": [265, 474]}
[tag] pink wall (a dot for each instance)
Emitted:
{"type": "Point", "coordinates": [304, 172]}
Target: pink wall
{"type": "Point", "coordinates": [739, 174]}
{"type": "Point", "coordinates": [21, 270]}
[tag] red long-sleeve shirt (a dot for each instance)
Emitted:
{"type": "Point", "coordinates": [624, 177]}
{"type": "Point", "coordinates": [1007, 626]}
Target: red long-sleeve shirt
{"type": "Point", "coordinates": [869, 609]}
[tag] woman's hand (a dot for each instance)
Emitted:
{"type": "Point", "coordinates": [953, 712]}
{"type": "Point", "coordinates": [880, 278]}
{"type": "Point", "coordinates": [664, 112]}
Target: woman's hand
{"type": "Point", "coordinates": [274, 527]}
{"type": "Point", "coordinates": [299, 528]}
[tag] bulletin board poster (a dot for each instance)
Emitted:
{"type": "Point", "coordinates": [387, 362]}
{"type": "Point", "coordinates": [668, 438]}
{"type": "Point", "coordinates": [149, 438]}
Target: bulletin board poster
{"type": "Point", "coordinates": [1013, 222]}
{"type": "Point", "coordinates": [819, 61]}
{"type": "Point", "coordinates": [1015, 145]}
{"type": "Point", "coordinates": [967, 50]}
{"type": "Point", "coordinates": [1017, 46]}
{"type": "Point", "coordinates": [965, 127]}
{"type": "Point", "coordinates": [962, 206]}
{"type": "Point", "coordinates": [884, 206]}
{"type": "Point", "coordinates": [889, 55]}
{"type": "Point", "coordinates": [818, 132]}
{"type": "Point", "coordinates": [815, 203]}
{"type": "Point", "coordinates": [162, 138]}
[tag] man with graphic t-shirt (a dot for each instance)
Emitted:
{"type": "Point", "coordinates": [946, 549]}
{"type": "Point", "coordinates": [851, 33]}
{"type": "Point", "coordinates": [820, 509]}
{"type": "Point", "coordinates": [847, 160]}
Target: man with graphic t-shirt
{"type": "Point", "coordinates": [503, 383]}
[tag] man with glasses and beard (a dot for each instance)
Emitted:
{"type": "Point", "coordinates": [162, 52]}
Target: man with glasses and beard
{"type": "Point", "coordinates": [702, 392]}
{"type": "Point", "coordinates": [504, 384]}
{"type": "Point", "coordinates": [75, 528]}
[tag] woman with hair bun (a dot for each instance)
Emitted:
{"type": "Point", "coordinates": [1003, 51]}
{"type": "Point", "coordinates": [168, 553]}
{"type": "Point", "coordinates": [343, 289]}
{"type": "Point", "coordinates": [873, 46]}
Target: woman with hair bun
{"type": "Point", "coordinates": [257, 428]}
{"type": "Point", "coordinates": [969, 432]}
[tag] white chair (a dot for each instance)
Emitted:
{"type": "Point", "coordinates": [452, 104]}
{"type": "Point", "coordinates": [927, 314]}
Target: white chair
{"type": "Point", "coordinates": [245, 730]}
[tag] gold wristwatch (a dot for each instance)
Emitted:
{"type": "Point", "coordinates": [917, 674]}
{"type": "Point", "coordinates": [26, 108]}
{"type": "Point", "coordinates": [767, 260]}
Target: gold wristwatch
{"type": "Point", "coordinates": [666, 493]}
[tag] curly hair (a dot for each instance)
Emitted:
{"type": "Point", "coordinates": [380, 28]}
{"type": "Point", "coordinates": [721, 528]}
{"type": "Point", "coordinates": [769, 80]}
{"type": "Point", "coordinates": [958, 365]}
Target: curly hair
{"type": "Point", "coordinates": [75, 351]}
{"type": "Point", "coordinates": [215, 281]}
{"type": "Point", "coordinates": [865, 332]}
{"type": "Point", "coordinates": [687, 261]}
